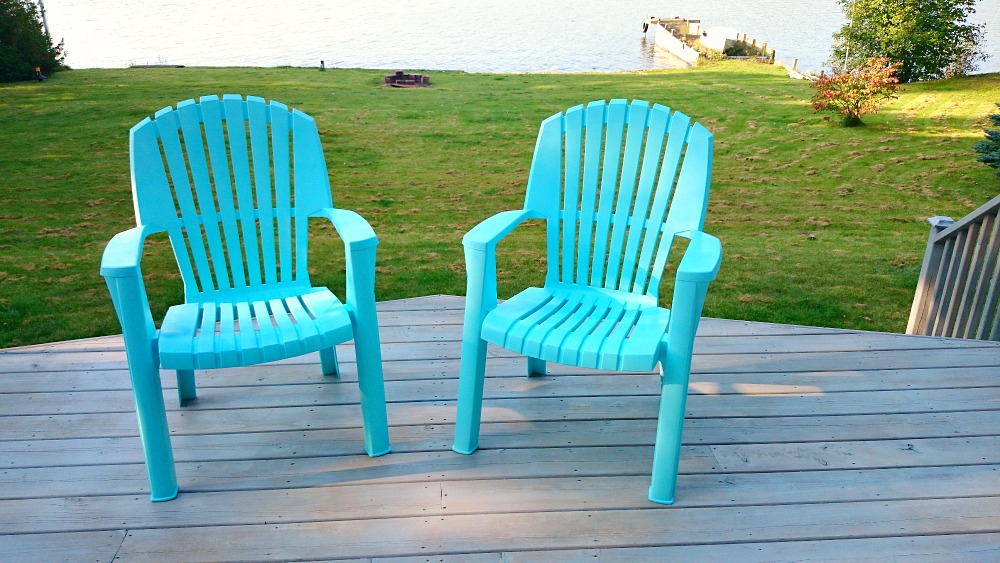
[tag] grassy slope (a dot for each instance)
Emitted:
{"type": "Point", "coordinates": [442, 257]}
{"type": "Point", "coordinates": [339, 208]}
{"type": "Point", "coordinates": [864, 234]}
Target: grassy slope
{"type": "Point", "coordinates": [821, 225]}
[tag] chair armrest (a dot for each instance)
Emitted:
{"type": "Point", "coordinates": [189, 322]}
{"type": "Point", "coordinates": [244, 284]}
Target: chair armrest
{"type": "Point", "coordinates": [702, 258]}
{"type": "Point", "coordinates": [120, 268]}
{"type": "Point", "coordinates": [122, 254]}
{"type": "Point", "coordinates": [492, 230]}
{"type": "Point", "coordinates": [355, 231]}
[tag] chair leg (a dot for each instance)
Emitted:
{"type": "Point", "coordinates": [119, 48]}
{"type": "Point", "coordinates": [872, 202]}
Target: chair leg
{"type": "Point", "coordinates": [536, 367]}
{"type": "Point", "coordinates": [667, 450]}
{"type": "Point", "coordinates": [328, 361]}
{"type": "Point", "coordinates": [472, 372]}
{"type": "Point", "coordinates": [153, 430]}
{"type": "Point", "coordinates": [371, 382]}
{"type": "Point", "coordinates": [186, 388]}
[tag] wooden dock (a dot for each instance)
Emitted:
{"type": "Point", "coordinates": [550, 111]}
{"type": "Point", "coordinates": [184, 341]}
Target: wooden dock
{"type": "Point", "coordinates": [799, 443]}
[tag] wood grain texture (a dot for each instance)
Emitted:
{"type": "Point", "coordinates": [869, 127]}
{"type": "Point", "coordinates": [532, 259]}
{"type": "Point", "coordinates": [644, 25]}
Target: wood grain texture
{"type": "Point", "coordinates": [842, 445]}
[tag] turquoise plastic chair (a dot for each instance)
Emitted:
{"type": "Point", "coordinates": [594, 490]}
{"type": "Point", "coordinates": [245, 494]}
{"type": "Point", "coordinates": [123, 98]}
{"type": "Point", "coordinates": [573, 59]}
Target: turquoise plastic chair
{"type": "Point", "coordinates": [601, 178]}
{"type": "Point", "coordinates": [233, 183]}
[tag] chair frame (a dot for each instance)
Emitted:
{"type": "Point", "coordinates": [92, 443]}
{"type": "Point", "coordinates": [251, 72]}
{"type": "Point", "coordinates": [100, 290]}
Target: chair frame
{"type": "Point", "coordinates": [285, 143]}
{"type": "Point", "coordinates": [561, 136]}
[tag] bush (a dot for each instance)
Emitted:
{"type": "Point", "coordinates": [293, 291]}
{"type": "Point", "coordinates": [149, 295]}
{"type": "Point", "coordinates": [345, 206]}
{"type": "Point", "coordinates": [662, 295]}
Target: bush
{"type": "Point", "coordinates": [989, 150]}
{"type": "Point", "coordinates": [857, 91]}
{"type": "Point", "coordinates": [24, 45]}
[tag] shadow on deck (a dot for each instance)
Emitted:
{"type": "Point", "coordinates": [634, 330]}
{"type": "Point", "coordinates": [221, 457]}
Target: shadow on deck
{"type": "Point", "coordinates": [799, 441]}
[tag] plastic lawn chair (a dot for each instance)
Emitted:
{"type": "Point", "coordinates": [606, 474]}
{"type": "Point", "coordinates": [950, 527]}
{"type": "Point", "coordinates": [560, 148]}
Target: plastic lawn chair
{"type": "Point", "coordinates": [233, 183]}
{"type": "Point", "coordinates": [615, 183]}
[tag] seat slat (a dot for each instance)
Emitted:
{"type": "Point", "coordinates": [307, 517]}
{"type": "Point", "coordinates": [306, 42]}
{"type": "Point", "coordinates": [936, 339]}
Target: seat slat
{"type": "Point", "coordinates": [534, 341]}
{"type": "Point", "coordinates": [249, 336]}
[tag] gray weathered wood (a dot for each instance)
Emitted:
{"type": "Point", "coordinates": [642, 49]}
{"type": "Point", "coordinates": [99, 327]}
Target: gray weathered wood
{"type": "Point", "coordinates": [844, 445]}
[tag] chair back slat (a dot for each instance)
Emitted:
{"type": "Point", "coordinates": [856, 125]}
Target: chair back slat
{"type": "Point", "coordinates": [260, 144]}
{"type": "Point", "coordinates": [233, 182]}
{"type": "Point", "coordinates": [594, 129]}
{"type": "Point", "coordinates": [281, 162]}
{"type": "Point", "coordinates": [628, 197]}
{"type": "Point", "coordinates": [189, 115]}
{"type": "Point", "coordinates": [574, 123]}
{"type": "Point", "coordinates": [222, 188]}
{"type": "Point", "coordinates": [632, 177]}
{"type": "Point", "coordinates": [235, 111]}
{"type": "Point", "coordinates": [610, 157]}
{"type": "Point", "coordinates": [639, 221]}
{"type": "Point", "coordinates": [653, 238]}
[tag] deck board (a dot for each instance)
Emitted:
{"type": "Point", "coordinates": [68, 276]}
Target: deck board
{"type": "Point", "coordinates": [846, 445]}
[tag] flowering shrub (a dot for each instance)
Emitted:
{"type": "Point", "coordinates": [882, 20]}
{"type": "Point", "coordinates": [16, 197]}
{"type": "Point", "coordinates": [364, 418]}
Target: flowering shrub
{"type": "Point", "coordinates": [857, 91]}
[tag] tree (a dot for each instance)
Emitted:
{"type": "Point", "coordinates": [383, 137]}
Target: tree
{"type": "Point", "coordinates": [989, 149]}
{"type": "Point", "coordinates": [24, 45]}
{"type": "Point", "coordinates": [857, 91]}
{"type": "Point", "coordinates": [930, 37]}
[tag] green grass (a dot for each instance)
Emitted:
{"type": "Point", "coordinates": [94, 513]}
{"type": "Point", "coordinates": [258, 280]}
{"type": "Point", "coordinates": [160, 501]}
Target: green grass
{"type": "Point", "coordinates": [821, 225]}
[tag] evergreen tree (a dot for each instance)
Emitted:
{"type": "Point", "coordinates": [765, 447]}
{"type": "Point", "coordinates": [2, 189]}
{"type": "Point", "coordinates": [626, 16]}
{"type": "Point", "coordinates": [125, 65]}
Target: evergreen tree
{"type": "Point", "coordinates": [989, 149]}
{"type": "Point", "coordinates": [930, 37]}
{"type": "Point", "coordinates": [24, 45]}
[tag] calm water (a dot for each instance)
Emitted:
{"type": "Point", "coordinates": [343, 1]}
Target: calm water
{"type": "Point", "coordinates": [507, 36]}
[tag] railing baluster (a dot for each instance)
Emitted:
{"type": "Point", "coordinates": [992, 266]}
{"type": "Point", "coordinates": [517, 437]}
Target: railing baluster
{"type": "Point", "coordinates": [989, 236]}
{"type": "Point", "coordinates": [958, 292]}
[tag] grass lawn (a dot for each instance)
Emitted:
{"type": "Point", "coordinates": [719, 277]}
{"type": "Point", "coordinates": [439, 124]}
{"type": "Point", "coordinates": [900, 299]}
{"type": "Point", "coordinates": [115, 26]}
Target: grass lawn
{"type": "Point", "coordinates": [821, 225]}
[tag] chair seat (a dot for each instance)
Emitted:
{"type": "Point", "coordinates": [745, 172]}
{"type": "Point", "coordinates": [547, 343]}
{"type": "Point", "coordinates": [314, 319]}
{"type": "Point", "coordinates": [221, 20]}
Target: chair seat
{"type": "Point", "coordinates": [580, 327]}
{"type": "Point", "coordinates": [218, 334]}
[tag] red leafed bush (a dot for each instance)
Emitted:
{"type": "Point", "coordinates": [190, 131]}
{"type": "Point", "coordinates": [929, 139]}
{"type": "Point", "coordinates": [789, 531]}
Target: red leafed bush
{"type": "Point", "coordinates": [857, 91]}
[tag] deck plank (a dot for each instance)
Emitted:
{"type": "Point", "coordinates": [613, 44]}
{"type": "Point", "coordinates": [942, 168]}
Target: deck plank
{"type": "Point", "coordinates": [840, 444]}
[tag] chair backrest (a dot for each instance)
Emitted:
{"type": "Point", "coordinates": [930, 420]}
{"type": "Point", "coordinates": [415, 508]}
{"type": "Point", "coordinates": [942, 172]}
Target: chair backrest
{"type": "Point", "coordinates": [233, 183]}
{"type": "Point", "coordinates": [615, 182]}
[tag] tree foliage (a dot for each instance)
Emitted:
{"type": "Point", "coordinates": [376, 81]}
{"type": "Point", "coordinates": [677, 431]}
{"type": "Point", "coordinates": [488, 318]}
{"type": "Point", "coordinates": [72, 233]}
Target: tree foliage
{"type": "Point", "coordinates": [24, 45]}
{"type": "Point", "coordinates": [857, 91]}
{"type": "Point", "coordinates": [989, 149]}
{"type": "Point", "coordinates": [932, 38]}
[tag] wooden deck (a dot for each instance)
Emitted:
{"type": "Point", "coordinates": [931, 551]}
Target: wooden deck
{"type": "Point", "coordinates": [799, 443]}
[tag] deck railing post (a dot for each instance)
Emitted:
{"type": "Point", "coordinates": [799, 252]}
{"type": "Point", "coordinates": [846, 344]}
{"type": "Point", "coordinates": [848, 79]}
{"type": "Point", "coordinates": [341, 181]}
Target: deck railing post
{"type": "Point", "coordinates": [927, 282]}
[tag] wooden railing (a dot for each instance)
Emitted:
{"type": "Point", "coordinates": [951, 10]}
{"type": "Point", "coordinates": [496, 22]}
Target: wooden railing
{"type": "Point", "coordinates": [958, 293]}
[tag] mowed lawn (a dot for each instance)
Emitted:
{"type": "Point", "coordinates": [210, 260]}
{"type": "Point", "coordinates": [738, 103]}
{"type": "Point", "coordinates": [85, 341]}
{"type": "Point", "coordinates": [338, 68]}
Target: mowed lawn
{"type": "Point", "coordinates": [821, 225]}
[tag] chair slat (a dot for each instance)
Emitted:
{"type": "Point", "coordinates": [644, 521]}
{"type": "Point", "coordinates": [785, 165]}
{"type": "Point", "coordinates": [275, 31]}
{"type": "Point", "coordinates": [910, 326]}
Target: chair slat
{"type": "Point", "coordinates": [612, 346]}
{"type": "Point", "coordinates": [594, 141]}
{"type": "Point", "coordinates": [574, 123]}
{"type": "Point", "coordinates": [590, 348]}
{"type": "Point", "coordinates": [189, 115]}
{"type": "Point", "coordinates": [535, 339]}
{"type": "Point", "coordinates": [218, 154]}
{"type": "Point", "coordinates": [280, 138]}
{"type": "Point", "coordinates": [635, 136]}
{"type": "Point", "coordinates": [270, 338]}
{"type": "Point", "coordinates": [556, 341]}
{"type": "Point", "coordinates": [614, 134]}
{"type": "Point", "coordinates": [249, 336]}
{"type": "Point", "coordinates": [205, 342]}
{"type": "Point", "coordinates": [678, 127]}
{"type": "Point", "coordinates": [236, 115]}
{"type": "Point", "coordinates": [260, 144]}
{"type": "Point", "coordinates": [304, 323]}
{"type": "Point", "coordinates": [656, 137]}
{"type": "Point", "coordinates": [191, 239]}
{"type": "Point", "coordinates": [227, 350]}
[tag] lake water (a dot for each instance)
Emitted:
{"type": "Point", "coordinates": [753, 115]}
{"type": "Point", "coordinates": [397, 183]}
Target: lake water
{"type": "Point", "coordinates": [507, 36]}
